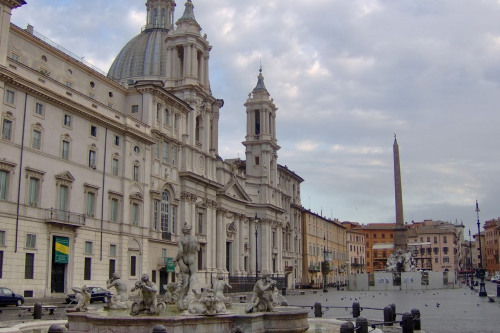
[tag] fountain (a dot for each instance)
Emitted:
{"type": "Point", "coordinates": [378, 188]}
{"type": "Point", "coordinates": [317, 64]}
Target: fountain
{"type": "Point", "coordinates": [401, 261]}
{"type": "Point", "coordinates": [184, 309]}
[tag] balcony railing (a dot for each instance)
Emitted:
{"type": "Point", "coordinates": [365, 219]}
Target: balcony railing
{"type": "Point", "coordinates": [64, 217]}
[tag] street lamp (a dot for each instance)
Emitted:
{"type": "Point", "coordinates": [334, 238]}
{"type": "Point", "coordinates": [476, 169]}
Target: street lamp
{"type": "Point", "coordinates": [324, 266]}
{"type": "Point", "coordinates": [482, 288]}
{"type": "Point", "coordinates": [471, 275]}
{"type": "Point", "coordinates": [256, 222]}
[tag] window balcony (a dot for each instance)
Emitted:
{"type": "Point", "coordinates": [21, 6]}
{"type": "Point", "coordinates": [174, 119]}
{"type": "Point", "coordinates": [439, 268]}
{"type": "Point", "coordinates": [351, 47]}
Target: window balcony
{"type": "Point", "coordinates": [64, 217]}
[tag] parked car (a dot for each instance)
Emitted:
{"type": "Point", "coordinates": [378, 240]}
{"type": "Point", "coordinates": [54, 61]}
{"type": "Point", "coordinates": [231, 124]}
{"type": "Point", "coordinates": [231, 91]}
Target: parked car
{"type": "Point", "coordinates": [495, 279]}
{"type": "Point", "coordinates": [8, 297]}
{"type": "Point", "coordinates": [97, 294]}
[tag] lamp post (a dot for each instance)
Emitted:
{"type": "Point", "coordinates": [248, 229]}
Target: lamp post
{"type": "Point", "coordinates": [256, 221]}
{"type": "Point", "coordinates": [324, 266]}
{"type": "Point", "coordinates": [471, 267]}
{"type": "Point", "coordinates": [482, 288]}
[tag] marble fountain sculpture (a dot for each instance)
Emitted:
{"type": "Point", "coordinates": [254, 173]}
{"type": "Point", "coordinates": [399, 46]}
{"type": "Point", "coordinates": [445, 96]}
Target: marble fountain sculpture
{"type": "Point", "coordinates": [401, 261]}
{"type": "Point", "coordinates": [185, 309]}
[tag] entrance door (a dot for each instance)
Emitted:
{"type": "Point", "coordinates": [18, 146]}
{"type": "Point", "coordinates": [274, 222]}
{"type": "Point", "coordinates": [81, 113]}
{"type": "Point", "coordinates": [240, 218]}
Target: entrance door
{"type": "Point", "coordinates": [58, 274]}
{"type": "Point", "coordinates": [228, 256]}
{"type": "Point", "coordinates": [163, 281]}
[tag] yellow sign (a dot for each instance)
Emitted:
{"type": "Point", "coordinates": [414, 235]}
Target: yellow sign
{"type": "Point", "coordinates": [62, 248]}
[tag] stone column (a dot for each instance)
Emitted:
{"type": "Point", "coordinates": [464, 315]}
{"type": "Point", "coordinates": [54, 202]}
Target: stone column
{"type": "Point", "coordinates": [251, 236]}
{"type": "Point", "coordinates": [241, 235]}
{"type": "Point", "coordinates": [236, 247]}
{"type": "Point", "coordinates": [265, 250]}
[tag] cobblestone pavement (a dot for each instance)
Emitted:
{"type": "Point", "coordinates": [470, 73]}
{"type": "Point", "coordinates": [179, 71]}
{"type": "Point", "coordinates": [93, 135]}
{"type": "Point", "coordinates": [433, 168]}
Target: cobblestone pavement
{"type": "Point", "coordinates": [442, 311]}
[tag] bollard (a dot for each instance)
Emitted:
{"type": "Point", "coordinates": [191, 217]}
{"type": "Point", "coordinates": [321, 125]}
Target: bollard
{"type": "Point", "coordinates": [159, 329]}
{"type": "Point", "coordinates": [283, 291]}
{"type": "Point", "coordinates": [407, 323]}
{"type": "Point", "coordinates": [387, 315]}
{"type": "Point", "coordinates": [317, 310]}
{"type": "Point", "coordinates": [356, 312]}
{"type": "Point", "coordinates": [55, 329]}
{"type": "Point", "coordinates": [393, 307]}
{"type": "Point", "coordinates": [347, 327]}
{"type": "Point", "coordinates": [362, 325]}
{"type": "Point", "coordinates": [498, 290]}
{"type": "Point", "coordinates": [416, 319]}
{"type": "Point", "coordinates": [37, 311]}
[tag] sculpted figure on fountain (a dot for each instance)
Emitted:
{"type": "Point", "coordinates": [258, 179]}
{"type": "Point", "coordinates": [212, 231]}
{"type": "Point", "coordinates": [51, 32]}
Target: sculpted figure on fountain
{"type": "Point", "coordinates": [186, 258]}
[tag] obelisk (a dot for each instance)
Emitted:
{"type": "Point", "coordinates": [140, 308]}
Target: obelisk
{"type": "Point", "coordinates": [400, 230]}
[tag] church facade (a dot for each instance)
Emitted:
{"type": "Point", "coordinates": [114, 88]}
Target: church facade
{"type": "Point", "coordinates": [99, 171]}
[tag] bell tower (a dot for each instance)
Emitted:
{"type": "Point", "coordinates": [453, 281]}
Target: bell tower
{"type": "Point", "coordinates": [260, 140]}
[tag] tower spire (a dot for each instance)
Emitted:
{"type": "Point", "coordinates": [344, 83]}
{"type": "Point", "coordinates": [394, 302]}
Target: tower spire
{"type": "Point", "coordinates": [260, 82]}
{"type": "Point", "coordinates": [188, 12]}
{"type": "Point", "coordinates": [400, 230]}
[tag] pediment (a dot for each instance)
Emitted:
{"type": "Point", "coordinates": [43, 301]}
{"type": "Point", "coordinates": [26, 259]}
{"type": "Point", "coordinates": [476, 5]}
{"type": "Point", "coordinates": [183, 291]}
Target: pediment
{"type": "Point", "coordinates": [234, 190]}
{"type": "Point", "coordinates": [66, 175]}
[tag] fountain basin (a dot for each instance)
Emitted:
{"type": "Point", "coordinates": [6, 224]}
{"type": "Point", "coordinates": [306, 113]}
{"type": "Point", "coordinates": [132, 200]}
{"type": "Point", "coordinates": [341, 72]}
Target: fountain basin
{"type": "Point", "coordinates": [283, 319]}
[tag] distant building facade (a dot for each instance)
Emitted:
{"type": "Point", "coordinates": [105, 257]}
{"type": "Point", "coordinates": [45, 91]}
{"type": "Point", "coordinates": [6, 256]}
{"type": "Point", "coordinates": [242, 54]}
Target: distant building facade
{"type": "Point", "coordinates": [379, 244]}
{"type": "Point", "coordinates": [491, 246]}
{"type": "Point", "coordinates": [325, 240]}
{"type": "Point", "coordinates": [356, 248]}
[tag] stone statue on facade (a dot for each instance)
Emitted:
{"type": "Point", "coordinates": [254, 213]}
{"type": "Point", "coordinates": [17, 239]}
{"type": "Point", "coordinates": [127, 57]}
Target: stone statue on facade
{"type": "Point", "coordinates": [223, 302]}
{"type": "Point", "coordinates": [401, 261]}
{"type": "Point", "coordinates": [262, 295]}
{"type": "Point", "coordinates": [188, 247]}
{"type": "Point", "coordinates": [148, 304]}
{"type": "Point", "coordinates": [118, 301]}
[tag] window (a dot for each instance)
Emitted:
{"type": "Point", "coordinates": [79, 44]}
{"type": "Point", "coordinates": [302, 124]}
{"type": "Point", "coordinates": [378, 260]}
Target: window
{"type": "Point", "coordinates": [174, 214]}
{"type": "Point", "coordinates": [133, 265]}
{"type": "Point", "coordinates": [69, 84]}
{"type": "Point", "coordinates": [137, 150]}
{"type": "Point", "coordinates": [29, 266]}
{"type": "Point", "coordinates": [87, 270]}
{"type": "Point", "coordinates": [112, 250]}
{"type": "Point", "coordinates": [92, 159]}
{"type": "Point", "coordinates": [428, 239]}
{"type": "Point", "coordinates": [156, 205]}
{"type": "Point", "coordinates": [114, 210]}
{"type": "Point", "coordinates": [2, 238]}
{"type": "Point", "coordinates": [34, 188]}
{"type": "Point", "coordinates": [374, 235]}
{"type": "Point", "coordinates": [10, 97]}
{"type": "Point", "coordinates": [6, 129]}
{"type": "Point", "coordinates": [1, 264]}
{"type": "Point", "coordinates": [157, 151]}
{"type": "Point", "coordinates": [445, 240]}
{"type": "Point", "coordinates": [165, 151]}
{"type": "Point", "coordinates": [176, 121]}
{"type": "Point", "coordinates": [90, 204]}
{"type": "Point", "coordinates": [88, 247]}
{"type": "Point", "coordinates": [30, 241]}
{"type": "Point", "coordinates": [114, 166]}
{"type": "Point", "coordinates": [135, 108]}
{"type": "Point", "coordinates": [174, 155]}
{"type": "Point", "coordinates": [37, 137]}
{"type": "Point", "coordinates": [136, 173]}
{"type": "Point", "coordinates": [4, 182]}
{"type": "Point", "coordinates": [392, 235]}
{"type": "Point", "coordinates": [91, 95]}
{"type": "Point", "coordinates": [135, 214]}
{"type": "Point", "coordinates": [165, 210]}
{"type": "Point", "coordinates": [383, 235]}
{"type": "Point", "coordinates": [15, 57]}
{"type": "Point", "coordinates": [67, 120]}
{"type": "Point", "coordinates": [257, 160]}
{"type": "Point", "coordinates": [445, 250]}
{"type": "Point", "coordinates": [93, 131]}
{"type": "Point", "coordinates": [63, 199]}
{"type": "Point", "coordinates": [112, 267]}
{"type": "Point", "coordinates": [435, 240]}
{"type": "Point", "coordinates": [200, 223]}
{"type": "Point", "coordinates": [166, 117]}
{"type": "Point", "coordinates": [39, 109]}
{"type": "Point", "coordinates": [446, 260]}
{"type": "Point", "coordinates": [116, 141]}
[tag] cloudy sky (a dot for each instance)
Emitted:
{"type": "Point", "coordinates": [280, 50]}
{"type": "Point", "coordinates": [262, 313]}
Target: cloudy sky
{"type": "Point", "coordinates": [346, 76]}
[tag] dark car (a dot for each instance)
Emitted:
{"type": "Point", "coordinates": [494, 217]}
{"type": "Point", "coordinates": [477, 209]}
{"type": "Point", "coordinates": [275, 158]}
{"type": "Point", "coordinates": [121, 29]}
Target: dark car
{"type": "Point", "coordinates": [7, 297]}
{"type": "Point", "coordinates": [97, 294]}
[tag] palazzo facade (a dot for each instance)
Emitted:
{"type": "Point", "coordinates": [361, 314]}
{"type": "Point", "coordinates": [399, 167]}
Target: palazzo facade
{"type": "Point", "coordinates": [99, 171]}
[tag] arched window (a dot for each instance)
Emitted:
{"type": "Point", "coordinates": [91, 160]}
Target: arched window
{"type": "Point", "coordinates": [158, 111]}
{"type": "Point", "coordinates": [257, 122]}
{"type": "Point", "coordinates": [165, 211]}
{"type": "Point", "coordinates": [166, 117]}
{"type": "Point", "coordinates": [163, 18]}
{"type": "Point", "coordinates": [155, 18]}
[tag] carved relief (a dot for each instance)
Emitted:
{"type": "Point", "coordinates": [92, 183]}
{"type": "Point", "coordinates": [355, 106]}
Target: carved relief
{"type": "Point", "coordinates": [7, 166]}
{"type": "Point", "coordinates": [231, 230]}
{"type": "Point", "coordinates": [30, 172]}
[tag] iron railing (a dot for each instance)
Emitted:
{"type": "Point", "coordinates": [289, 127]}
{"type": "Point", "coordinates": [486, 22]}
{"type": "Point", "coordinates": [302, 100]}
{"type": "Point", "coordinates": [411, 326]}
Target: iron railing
{"type": "Point", "coordinates": [56, 215]}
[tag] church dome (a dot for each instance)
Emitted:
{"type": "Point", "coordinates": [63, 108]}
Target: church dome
{"type": "Point", "coordinates": [144, 56]}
